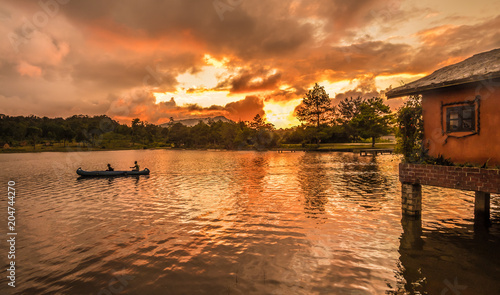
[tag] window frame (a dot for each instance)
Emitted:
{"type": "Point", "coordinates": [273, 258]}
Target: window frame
{"type": "Point", "coordinates": [461, 119]}
{"type": "Point", "coordinates": [447, 108]}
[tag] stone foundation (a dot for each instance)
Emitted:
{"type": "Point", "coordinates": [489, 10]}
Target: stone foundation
{"type": "Point", "coordinates": [482, 181]}
{"type": "Point", "coordinates": [463, 178]}
{"type": "Point", "coordinates": [411, 199]}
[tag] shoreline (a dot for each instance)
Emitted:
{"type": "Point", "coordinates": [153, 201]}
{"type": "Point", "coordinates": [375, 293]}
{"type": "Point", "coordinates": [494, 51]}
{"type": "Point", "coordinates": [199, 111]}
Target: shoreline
{"type": "Point", "coordinates": [338, 147]}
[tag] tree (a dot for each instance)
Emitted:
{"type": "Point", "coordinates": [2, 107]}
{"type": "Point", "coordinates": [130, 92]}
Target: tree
{"type": "Point", "coordinates": [316, 107]}
{"type": "Point", "coordinates": [258, 123]}
{"type": "Point", "coordinates": [349, 108]}
{"type": "Point", "coordinates": [67, 135]}
{"type": "Point", "coordinates": [200, 133]}
{"type": "Point", "coordinates": [261, 135]}
{"type": "Point", "coordinates": [409, 131]}
{"type": "Point", "coordinates": [81, 137]}
{"type": "Point", "coordinates": [138, 131]}
{"type": "Point", "coordinates": [179, 134]}
{"type": "Point", "coordinates": [373, 119]}
{"type": "Point", "coordinates": [34, 133]}
{"type": "Point", "coordinates": [228, 133]}
{"type": "Point", "coordinates": [243, 136]}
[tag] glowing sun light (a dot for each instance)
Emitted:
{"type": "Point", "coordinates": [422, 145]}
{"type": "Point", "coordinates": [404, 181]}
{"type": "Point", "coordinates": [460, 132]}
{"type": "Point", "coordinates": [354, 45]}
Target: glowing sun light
{"type": "Point", "coordinates": [281, 113]}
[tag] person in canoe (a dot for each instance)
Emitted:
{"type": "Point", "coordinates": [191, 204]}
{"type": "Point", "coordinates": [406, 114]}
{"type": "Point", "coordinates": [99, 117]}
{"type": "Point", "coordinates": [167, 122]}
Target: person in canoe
{"type": "Point", "coordinates": [135, 167]}
{"type": "Point", "coordinates": [110, 168]}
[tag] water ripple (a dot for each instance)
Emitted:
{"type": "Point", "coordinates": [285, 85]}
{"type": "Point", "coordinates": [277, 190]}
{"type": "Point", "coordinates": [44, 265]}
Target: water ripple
{"type": "Point", "coordinates": [212, 222]}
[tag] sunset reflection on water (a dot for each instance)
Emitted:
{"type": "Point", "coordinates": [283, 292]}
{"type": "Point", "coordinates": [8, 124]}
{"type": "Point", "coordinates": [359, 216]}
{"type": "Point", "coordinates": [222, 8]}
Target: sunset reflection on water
{"type": "Point", "coordinates": [242, 222]}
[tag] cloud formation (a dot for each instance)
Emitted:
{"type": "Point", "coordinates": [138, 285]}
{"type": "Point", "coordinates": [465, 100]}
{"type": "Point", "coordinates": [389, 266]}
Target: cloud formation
{"type": "Point", "coordinates": [142, 104]}
{"type": "Point", "coordinates": [61, 58]}
{"type": "Point", "coordinates": [250, 81]}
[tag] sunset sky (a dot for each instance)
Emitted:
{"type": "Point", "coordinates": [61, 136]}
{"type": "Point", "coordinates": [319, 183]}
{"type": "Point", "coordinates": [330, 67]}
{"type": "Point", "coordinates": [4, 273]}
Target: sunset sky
{"type": "Point", "coordinates": [234, 58]}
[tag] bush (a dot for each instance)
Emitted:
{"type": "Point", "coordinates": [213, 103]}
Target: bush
{"type": "Point", "coordinates": [409, 131]}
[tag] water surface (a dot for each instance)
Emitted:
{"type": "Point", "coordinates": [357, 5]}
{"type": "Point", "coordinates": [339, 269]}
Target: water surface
{"type": "Point", "coordinates": [219, 222]}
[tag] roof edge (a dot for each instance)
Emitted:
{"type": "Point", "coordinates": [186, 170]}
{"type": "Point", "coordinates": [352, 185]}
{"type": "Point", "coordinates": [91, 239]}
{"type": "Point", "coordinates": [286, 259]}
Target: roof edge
{"type": "Point", "coordinates": [396, 92]}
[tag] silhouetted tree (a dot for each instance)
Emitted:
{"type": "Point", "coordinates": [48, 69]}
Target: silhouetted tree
{"type": "Point", "coordinates": [34, 134]}
{"type": "Point", "coordinates": [348, 108]}
{"type": "Point", "coordinates": [373, 119]}
{"type": "Point", "coordinates": [316, 107]}
{"type": "Point", "coordinates": [258, 123]}
{"type": "Point", "coordinates": [67, 135]}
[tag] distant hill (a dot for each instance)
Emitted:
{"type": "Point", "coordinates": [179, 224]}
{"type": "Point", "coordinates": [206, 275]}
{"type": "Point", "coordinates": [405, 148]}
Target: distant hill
{"type": "Point", "coordinates": [194, 121]}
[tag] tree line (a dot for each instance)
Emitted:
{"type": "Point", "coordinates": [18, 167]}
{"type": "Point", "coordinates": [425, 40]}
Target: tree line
{"type": "Point", "coordinates": [104, 132]}
{"type": "Point", "coordinates": [349, 121]}
{"type": "Point", "coordinates": [322, 122]}
{"type": "Point", "coordinates": [84, 130]}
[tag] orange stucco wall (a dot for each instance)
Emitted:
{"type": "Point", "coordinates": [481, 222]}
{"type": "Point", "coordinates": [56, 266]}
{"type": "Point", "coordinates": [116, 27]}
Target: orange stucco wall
{"type": "Point", "coordinates": [476, 149]}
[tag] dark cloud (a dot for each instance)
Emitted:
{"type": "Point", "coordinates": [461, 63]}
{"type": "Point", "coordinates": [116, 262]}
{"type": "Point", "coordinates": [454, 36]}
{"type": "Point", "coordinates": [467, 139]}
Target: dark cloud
{"type": "Point", "coordinates": [168, 104]}
{"type": "Point", "coordinates": [141, 104]}
{"type": "Point", "coordinates": [196, 90]}
{"type": "Point", "coordinates": [97, 56]}
{"type": "Point", "coordinates": [120, 73]}
{"type": "Point", "coordinates": [366, 88]}
{"type": "Point", "coordinates": [246, 109]}
{"type": "Point", "coordinates": [215, 108]}
{"type": "Point", "coordinates": [250, 81]}
{"type": "Point", "coordinates": [284, 95]}
{"type": "Point", "coordinates": [444, 45]}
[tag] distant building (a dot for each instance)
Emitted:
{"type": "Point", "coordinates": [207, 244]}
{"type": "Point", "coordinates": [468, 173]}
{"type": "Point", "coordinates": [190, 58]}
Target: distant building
{"type": "Point", "coordinates": [461, 109]}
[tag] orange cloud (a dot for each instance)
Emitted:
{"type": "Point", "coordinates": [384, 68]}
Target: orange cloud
{"type": "Point", "coordinates": [93, 55]}
{"type": "Point", "coordinates": [246, 109]}
{"type": "Point", "coordinates": [250, 81]}
{"type": "Point", "coordinates": [142, 104]}
{"type": "Point", "coordinates": [25, 69]}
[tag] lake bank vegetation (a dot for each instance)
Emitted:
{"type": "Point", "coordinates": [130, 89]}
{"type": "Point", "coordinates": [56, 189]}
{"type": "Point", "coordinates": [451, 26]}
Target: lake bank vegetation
{"type": "Point", "coordinates": [353, 120]}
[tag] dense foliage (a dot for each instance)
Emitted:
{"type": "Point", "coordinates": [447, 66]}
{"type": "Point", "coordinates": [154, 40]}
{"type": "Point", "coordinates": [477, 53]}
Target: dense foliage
{"type": "Point", "coordinates": [97, 131]}
{"type": "Point", "coordinates": [373, 119]}
{"type": "Point", "coordinates": [409, 131]}
{"type": "Point", "coordinates": [227, 135]}
{"type": "Point", "coordinates": [365, 117]}
{"type": "Point", "coordinates": [103, 132]}
{"type": "Point", "coordinates": [356, 119]}
{"type": "Point", "coordinates": [351, 120]}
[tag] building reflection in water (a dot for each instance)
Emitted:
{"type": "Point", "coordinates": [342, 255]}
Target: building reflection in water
{"type": "Point", "coordinates": [410, 278]}
{"type": "Point", "coordinates": [455, 260]}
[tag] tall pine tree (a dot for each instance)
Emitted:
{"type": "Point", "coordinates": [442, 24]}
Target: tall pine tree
{"type": "Point", "coordinates": [316, 107]}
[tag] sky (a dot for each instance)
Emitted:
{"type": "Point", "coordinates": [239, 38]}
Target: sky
{"type": "Point", "coordinates": [179, 59]}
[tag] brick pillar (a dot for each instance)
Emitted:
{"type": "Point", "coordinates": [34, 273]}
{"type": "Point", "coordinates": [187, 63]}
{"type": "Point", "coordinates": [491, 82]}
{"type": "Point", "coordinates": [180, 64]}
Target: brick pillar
{"type": "Point", "coordinates": [482, 208]}
{"type": "Point", "coordinates": [411, 198]}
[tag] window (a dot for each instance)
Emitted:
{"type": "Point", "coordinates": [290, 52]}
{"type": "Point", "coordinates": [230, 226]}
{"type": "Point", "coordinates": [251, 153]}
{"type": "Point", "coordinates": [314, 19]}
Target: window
{"type": "Point", "coordinates": [461, 118]}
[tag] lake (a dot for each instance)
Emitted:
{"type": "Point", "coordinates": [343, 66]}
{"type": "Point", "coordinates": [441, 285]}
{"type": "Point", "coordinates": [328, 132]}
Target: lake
{"type": "Point", "coordinates": [239, 222]}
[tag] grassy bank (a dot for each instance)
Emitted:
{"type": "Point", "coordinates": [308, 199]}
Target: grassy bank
{"type": "Point", "coordinates": [337, 146]}
{"type": "Point", "coordinates": [110, 146]}
{"type": "Point", "coordinates": [73, 147]}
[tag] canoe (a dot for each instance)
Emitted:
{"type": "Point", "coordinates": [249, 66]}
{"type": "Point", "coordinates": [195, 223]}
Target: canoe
{"type": "Point", "coordinates": [81, 172]}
